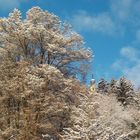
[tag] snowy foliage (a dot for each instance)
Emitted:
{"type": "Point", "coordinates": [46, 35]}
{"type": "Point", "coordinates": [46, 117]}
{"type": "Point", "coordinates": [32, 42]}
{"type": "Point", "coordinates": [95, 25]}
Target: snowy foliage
{"type": "Point", "coordinates": [42, 38]}
{"type": "Point", "coordinates": [35, 100]}
{"type": "Point", "coordinates": [101, 117]}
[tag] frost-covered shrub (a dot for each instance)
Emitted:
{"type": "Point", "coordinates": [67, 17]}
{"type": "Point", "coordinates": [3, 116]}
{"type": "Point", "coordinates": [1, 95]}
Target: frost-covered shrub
{"type": "Point", "coordinates": [101, 117]}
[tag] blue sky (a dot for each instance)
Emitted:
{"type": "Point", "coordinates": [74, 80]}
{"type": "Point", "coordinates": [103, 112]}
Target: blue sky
{"type": "Point", "coordinates": [111, 28]}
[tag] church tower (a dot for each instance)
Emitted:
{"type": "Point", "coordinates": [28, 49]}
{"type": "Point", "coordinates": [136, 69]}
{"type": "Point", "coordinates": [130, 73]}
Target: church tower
{"type": "Point", "coordinates": [92, 88]}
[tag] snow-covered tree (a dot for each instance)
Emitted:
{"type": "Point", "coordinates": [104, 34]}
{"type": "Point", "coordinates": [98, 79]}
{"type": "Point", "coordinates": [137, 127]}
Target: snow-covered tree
{"type": "Point", "coordinates": [35, 101]}
{"type": "Point", "coordinates": [102, 117]}
{"type": "Point", "coordinates": [36, 54]}
{"type": "Point", "coordinates": [124, 90]}
{"type": "Point", "coordinates": [102, 86]}
{"type": "Point", "coordinates": [41, 38]}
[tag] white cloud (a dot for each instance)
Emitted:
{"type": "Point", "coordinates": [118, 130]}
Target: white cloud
{"type": "Point", "coordinates": [129, 64]}
{"type": "Point", "coordinates": [9, 4]}
{"type": "Point", "coordinates": [130, 53]}
{"type": "Point", "coordinates": [133, 74]}
{"type": "Point", "coordinates": [121, 8]}
{"type": "Point", "coordinates": [103, 23]}
{"type": "Point", "coordinates": [126, 11]}
{"type": "Point", "coordinates": [118, 64]}
{"type": "Point", "coordinates": [121, 15]}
